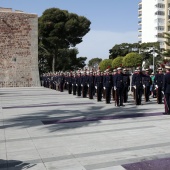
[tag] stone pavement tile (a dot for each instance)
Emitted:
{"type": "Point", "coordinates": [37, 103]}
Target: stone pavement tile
{"type": "Point", "coordinates": [19, 146]}
{"type": "Point", "coordinates": [54, 152]}
{"type": "Point", "coordinates": [16, 134]}
{"type": "Point", "coordinates": [25, 155]}
{"type": "Point", "coordinates": [2, 147]}
{"type": "Point", "coordinates": [112, 168]}
{"type": "Point", "coordinates": [55, 142]}
{"type": "Point", "coordinates": [64, 165]}
{"type": "Point", "coordinates": [81, 149]}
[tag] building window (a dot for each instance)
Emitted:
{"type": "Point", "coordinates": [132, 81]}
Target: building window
{"type": "Point", "coordinates": [159, 35]}
{"type": "Point", "coordinates": [160, 20]}
{"type": "Point", "coordinates": [160, 13]}
{"type": "Point", "coordinates": [159, 5]}
{"type": "Point", "coordinates": [159, 28]}
{"type": "Point", "coordinates": [168, 28]}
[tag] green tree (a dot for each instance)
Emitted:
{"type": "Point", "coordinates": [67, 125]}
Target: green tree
{"type": "Point", "coordinates": [166, 53]}
{"type": "Point", "coordinates": [117, 62]}
{"type": "Point", "coordinates": [105, 64]}
{"type": "Point", "coordinates": [59, 29]}
{"type": "Point", "coordinates": [132, 60]}
{"type": "Point", "coordinates": [94, 62]}
{"type": "Point", "coordinates": [123, 49]}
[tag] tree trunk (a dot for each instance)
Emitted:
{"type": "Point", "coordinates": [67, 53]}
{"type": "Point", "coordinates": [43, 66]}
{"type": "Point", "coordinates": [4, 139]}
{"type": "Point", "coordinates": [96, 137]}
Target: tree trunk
{"type": "Point", "coordinates": [53, 64]}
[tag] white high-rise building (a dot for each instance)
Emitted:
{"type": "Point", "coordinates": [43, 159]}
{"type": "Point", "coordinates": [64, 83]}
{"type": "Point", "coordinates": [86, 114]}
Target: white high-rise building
{"type": "Point", "coordinates": [154, 19]}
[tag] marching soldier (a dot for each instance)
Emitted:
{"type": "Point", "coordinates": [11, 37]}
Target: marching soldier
{"type": "Point", "coordinates": [119, 87]}
{"type": "Point", "coordinates": [166, 89]}
{"type": "Point", "coordinates": [147, 82]}
{"type": "Point", "coordinates": [99, 85]}
{"type": "Point", "coordinates": [91, 85]}
{"type": "Point", "coordinates": [138, 86]}
{"type": "Point", "coordinates": [158, 81]}
{"type": "Point", "coordinates": [126, 81]}
{"type": "Point", "coordinates": [104, 89]}
{"type": "Point", "coordinates": [61, 81]}
{"type": "Point", "coordinates": [78, 81]}
{"type": "Point", "coordinates": [132, 88]}
{"type": "Point", "coordinates": [107, 83]}
{"type": "Point", "coordinates": [69, 83]}
{"type": "Point", "coordinates": [84, 81]}
{"type": "Point", "coordinates": [113, 77]}
{"type": "Point", "coordinates": [74, 79]}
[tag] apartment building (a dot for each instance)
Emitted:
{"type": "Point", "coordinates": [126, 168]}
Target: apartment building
{"type": "Point", "coordinates": [154, 19]}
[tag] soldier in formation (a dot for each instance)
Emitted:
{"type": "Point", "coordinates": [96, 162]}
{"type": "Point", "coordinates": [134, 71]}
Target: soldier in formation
{"type": "Point", "coordinates": [111, 86]}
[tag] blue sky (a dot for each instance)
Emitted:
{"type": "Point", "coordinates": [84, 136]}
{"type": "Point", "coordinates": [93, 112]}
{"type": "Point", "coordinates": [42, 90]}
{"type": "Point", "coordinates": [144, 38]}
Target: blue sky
{"type": "Point", "coordinates": [112, 21]}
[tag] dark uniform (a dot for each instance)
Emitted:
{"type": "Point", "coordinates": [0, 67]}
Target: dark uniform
{"type": "Point", "coordinates": [74, 79]}
{"type": "Point", "coordinates": [113, 77]}
{"type": "Point", "coordinates": [166, 89]}
{"type": "Point", "coordinates": [138, 87]}
{"type": "Point", "coordinates": [107, 83]}
{"type": "Point", "coordinates": [158, 81]}
{"type": "Point", "coordinates": [69, 83]}
{"type": "Point", "coordinates": [84, 81]}
{"type": "Point", "coordinates": [147, 82]}
{"type": "Point", "coordinates": [78, 81]}
{"type": "Point", "coordinates": [99, 86]}
{"type": "Point", "coordinates": [119, 87]}
{"type": "Point", "coordinates": [126, 82]}
{"type": "Point", "coordinates": [91, 85]}
{"type": "Point", "coordinates": [61, 81]}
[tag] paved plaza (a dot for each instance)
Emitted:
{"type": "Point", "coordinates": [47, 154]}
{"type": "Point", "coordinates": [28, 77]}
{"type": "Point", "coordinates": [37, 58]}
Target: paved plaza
{"type": "Point", "coordinates": [43, 129]}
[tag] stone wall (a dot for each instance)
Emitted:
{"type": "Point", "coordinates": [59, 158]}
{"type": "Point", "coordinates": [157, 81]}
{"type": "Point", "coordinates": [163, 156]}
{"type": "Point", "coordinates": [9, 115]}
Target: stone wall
{"type": "Point", "coordinates": [18, 49]}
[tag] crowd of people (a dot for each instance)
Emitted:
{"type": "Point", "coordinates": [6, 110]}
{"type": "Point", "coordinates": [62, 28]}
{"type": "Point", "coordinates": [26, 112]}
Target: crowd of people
{"type": "Point", "coordinates": [112, 85]}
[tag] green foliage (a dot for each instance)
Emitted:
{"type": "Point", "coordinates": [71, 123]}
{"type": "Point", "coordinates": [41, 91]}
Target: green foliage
{"type": "Point", "coordinates": [132, 60]}
{"type": "Point", "coordinates": [167, 37]}
{"type": "Point", "coordinates": [59, 29]}
{"type": "Point", "coordinates": [105, 64]}
{"type": "Point", "coordinates": [117, 62]}
{"type": "Point", "coordinates": [94, 61]}
{"type": "Point", "coordinates": [123, 49]}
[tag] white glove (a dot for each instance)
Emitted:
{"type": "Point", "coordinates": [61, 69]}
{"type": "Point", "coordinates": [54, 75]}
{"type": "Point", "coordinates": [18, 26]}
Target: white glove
{"type": "Point", "coordinates": [95, 87]}
{"type": "Point", "coordinates": [81, 85]}
{"type": "Point", "coordinates": [67, 82]}
{"type": "Point", "coordinates": [134, 87]}
{"type": "Point", "coordinates": [72, 84]}
{"type": "Point", "coordinates": [143, 86]}
{"type": "Point", "coordinates": [88, 85]}
{"type": "Point", "coordinates": [76, 84]}
{"type": "Point", "coordinates": [114, 87]}
{"type": "Point", "coordinates": [163, 92]}
{"type": "Point", "coordinates": [104, 88]}
{"type": "Point", "coordinates": [156, 86]}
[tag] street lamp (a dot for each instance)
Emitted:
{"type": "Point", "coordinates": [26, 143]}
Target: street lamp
{"type": "Point", "coordinates": [154, 55]}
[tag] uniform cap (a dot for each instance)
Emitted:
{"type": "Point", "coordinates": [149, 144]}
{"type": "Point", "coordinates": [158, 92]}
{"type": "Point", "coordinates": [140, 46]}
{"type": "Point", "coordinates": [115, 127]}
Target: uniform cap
{"type": "Point", "coordinates": [114, 70]}
{"type": "Point", "coordinates": [119, 68]}
{"type": "Point", "coordinates": [167, 66]}
{"type": "Point", "coordinates": [159, 68]}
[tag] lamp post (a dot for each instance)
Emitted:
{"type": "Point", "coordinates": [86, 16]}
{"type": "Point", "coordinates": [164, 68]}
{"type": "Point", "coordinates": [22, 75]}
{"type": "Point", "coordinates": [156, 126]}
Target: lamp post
{"type": "Point", "coordinates": [154, 55]}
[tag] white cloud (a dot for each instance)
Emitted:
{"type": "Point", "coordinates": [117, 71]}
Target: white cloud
{"type": "Point", "coordinates": [98, 43]}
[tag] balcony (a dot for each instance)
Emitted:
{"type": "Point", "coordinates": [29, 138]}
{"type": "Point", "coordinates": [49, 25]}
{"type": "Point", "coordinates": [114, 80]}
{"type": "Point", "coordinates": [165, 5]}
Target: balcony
{"type": "Point", "coordinates": [139, 22]}
{"type": "Point", "coordinates": [140, 29]}
{"type": "Point", "coordinates": [140, 35]}
{"type": "Point", "coordinates": [139, 8]}
{"type": "Point", "coordinates": [139, 15]}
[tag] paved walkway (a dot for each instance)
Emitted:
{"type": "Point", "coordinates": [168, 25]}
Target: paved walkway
{"type": "Point", "coordinates": [41, 129]}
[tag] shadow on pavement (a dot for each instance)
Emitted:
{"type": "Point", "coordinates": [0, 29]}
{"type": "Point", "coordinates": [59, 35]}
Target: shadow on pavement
{"type": "Point", "coordinates": [14, 165]}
